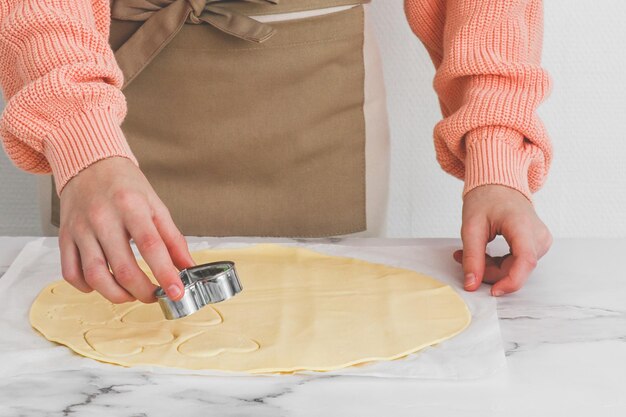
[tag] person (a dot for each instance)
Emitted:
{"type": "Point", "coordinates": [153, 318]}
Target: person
{"type": "Point", "coordinates": [262, 118]}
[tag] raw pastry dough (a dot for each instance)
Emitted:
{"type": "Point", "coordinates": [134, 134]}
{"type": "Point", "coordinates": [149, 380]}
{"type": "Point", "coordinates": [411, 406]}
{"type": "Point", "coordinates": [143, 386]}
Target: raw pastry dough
{"type": "Point", "coordinates": [299, 310]}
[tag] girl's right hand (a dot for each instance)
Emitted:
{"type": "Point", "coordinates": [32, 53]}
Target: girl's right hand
{"type": "Point", "coordinates": [102, 208]}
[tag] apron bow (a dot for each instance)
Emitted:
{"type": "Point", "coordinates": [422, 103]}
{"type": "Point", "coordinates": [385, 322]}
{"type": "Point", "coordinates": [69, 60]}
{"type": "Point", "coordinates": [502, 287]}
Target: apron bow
{"type": "Point", "coordinates": [163, 19]}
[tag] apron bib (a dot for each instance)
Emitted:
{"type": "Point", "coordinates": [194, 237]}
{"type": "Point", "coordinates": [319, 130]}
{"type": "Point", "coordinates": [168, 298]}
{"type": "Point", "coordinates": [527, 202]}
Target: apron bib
{"type": "Point", "coordinates": [252, 129]}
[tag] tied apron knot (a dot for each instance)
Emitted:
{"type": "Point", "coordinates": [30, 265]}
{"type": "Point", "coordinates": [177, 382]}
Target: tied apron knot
{"type": "Point", "coordinates": [163, 19]}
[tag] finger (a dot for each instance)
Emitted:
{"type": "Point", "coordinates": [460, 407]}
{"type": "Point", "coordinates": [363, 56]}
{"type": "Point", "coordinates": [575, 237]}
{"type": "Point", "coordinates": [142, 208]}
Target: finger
{"type": "Point", "coordinates": [71, 265]}
{"type": "Point", "coordinates": [496, 267]}
{"type": "Point", "coordinates": [96, 271]}
{"type": "Point", "coordinates": [126, 272]}
{"type": "Point", "coordinates": [524, 261]}
{"type": "Point", "coordinates": [151, 246]}
{"type": "Point", "coordinates": [475, 235]}
{"type": "Point", "coordinates": [174, 240]}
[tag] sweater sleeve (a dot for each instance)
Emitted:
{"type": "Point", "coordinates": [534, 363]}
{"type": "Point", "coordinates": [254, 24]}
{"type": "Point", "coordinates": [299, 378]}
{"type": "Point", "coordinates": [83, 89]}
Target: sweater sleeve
{"type": "Point", "coordinates": [489, 82]}
{"type": "Point", "coordinates": [62, 87]}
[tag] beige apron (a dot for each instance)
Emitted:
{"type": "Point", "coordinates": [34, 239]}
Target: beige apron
{"type": "Point", "coordinates": [256, 129]}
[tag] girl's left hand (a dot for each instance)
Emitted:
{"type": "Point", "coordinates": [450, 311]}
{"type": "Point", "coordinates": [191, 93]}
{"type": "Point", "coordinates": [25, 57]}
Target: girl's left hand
{"type": "Point", "coordinates": [491, 210]}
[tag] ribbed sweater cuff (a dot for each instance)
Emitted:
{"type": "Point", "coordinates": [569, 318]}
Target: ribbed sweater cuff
{"type": "Point", "coordinates": [83, 140]}
{"type": "Point", "coordinates": [495, 156]}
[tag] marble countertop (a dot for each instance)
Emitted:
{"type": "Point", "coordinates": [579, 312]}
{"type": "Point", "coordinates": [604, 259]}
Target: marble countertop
{"type": "Point", "coordinates": [564, 335]}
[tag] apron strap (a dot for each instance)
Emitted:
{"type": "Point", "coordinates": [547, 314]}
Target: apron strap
{"type": "Point", "coordinates": [164, 19]}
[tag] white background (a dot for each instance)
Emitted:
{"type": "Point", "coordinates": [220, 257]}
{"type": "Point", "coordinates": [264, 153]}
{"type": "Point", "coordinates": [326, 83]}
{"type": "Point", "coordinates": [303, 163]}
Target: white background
{"type": "Point", "coordinates": [585, 194]}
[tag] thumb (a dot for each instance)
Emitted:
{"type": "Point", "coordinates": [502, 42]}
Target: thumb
{"type": "Point", "coordinates": [475, 235]}
{"type": "Point", "coordinates": [524, 261]}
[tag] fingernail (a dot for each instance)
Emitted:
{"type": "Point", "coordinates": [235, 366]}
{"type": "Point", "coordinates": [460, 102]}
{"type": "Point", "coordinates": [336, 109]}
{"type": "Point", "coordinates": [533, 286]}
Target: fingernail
{"type": "Point", "coordinates": [497, 293]}
{"type": "Point", "coordinates": [173, 291]}
{"type": "Point", "coordinates": [470, 280]}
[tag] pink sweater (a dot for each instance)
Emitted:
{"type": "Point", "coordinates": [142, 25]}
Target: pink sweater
{"type": "Point", "coordinates": [64, 104]}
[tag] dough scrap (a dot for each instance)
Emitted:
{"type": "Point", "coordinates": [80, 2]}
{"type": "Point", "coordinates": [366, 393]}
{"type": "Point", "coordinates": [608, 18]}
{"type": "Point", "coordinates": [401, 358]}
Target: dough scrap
{"type": "Point", "coordinates": [299, 310]}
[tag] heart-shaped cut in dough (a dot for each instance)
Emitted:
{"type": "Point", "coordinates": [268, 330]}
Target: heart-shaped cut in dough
{"type": "Point", "coordinates": [99, 313]}
{"type": "Point", "coordinates": [125, 341]}
{"type": "Point", "coordinates": [212, 343]}
{"type": "Point", "coordinates": [151, 313]}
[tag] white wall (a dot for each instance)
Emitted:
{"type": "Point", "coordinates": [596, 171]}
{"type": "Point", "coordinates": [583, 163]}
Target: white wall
{"type": "Point", "coordinates": [585, 194]}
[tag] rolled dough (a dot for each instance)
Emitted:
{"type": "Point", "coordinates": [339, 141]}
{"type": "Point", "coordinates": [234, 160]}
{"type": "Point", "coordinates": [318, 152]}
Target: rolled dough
{"type": "Point", "coordinates": [299, 310]}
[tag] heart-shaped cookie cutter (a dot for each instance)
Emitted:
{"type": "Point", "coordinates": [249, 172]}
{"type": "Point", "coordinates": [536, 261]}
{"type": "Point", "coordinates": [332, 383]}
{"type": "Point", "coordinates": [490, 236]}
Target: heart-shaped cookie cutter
{"type": "Point", "coordinates": [204, 284]}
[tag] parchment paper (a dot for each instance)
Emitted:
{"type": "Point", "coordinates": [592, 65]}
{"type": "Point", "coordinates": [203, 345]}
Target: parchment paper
{"type": "Point", "coordinates": [475, 353]}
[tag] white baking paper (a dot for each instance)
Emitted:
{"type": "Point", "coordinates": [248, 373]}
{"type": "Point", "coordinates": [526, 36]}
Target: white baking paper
{"type": "Point", "coordinates": [476, 352]}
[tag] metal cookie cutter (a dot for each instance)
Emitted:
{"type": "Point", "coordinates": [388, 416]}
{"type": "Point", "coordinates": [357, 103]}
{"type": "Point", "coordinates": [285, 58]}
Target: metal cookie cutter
{"type": "Point", "coordinates": [204, 284]}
